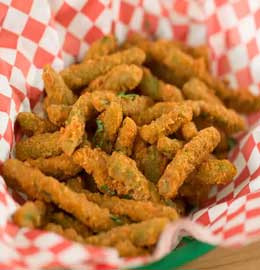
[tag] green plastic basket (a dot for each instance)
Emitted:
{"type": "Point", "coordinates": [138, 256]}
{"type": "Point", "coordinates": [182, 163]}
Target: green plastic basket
{"type": "Point", "coordinates": [190, 250]}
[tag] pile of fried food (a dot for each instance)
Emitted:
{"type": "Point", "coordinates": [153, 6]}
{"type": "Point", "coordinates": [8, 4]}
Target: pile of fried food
{"type": "Point", "coordinates": [134, 136]}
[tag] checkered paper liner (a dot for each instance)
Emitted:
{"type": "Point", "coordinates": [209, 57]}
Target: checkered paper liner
{"type": "Point", "coordinates": [36, 32]}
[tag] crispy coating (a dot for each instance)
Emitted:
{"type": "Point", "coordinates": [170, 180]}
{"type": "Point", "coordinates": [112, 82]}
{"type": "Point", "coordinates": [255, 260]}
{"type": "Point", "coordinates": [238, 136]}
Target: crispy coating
{"type": "Point", "coordinates": [141, 234]}
{"type": "Point", "coordinates": [101, 47]}
{"type": "Point", "coordinates": [41, 145]}
{"type": "Point", "coordinates": [67, 221]}
{"type": "Point", "coordinates": [68, 233]}
{"type": "Point", "coordinates": [126, 137]}
{"type": "Point", "coordinates": [166, 124]}
{"type": "Point", "coordinates": [181, 65]}
{"type": "Point", "coordinates": [48, 189]}
{"type": "Point", "coordinates": [126, 248]}
{"type": "Point", "coordinates": [79, 75]}
{"type": "Point", "coordinates": [30, 215]}
{"type": "Point", "coordinates": [72, 135]}
{"type": "Point", "coordinates": [31, 124]}
{"type": "Point", "coordinates": [108, 125]}
{"type": "Point", "coordinates": [169, 147]}
{"type": "Point", "coordinates": [135, 210]}
{"type": "Point", "coordinates": [186, 160]}
{"type": "Point", "coordinates": [152, 164]}
{"type": "Point", "coordinates": [128, 180]}
{"type": "Point", "coordinates": [155, 111]}
{"type": "Point", "coordinates": [121, 78]}
{"type": "Point", "coordinates": [76, 183]}
{"type": "Point", "coordinates": [218, 115]}
{"type": "Point", "coordinates": [188, 131]}
{"type": "Point", "coordinates": [101, 99]}
{"type": "Point", "coordinates": [214, 171]}
{"type": "Point", "coordinates": [94, 162]}
{"type": "Point", "coordinates": [196, 89]}
{"type": "Point", "coordinates": [58, 114]}
{"type": "Point", "coordinates": [139, 151]}
{"type": "Point", "coordinates": [57, 91]}
{"type": "Point", "coordinates": [60, 167]}
{"type": "Point", "coordinates": [157, 89]}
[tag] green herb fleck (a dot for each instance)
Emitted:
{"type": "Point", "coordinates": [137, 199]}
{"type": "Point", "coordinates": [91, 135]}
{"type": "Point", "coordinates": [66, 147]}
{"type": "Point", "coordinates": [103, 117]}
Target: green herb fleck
{"type": "Point", "coordinates": [117, 219]}
{"type": "Point", "coordinates": [128, 96]}
{"type": "Point", "coordinates": [231, 143]}
{"type": "Point", "coordinates": [127, 196]}
{"type": "Point", "coordinates": [107, 190]}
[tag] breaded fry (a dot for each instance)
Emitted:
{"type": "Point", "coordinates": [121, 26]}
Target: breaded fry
{"type": "Point", "coordinates": [218, 115]}
{"type": "Point", "coordinates": [101, 99]}
{"type": "Point", "coordinates": [121, 78]}
{"type": "Point", "coordinates": [128, 180]}
{"type": "Point", "coordinates": [213, 171]}
{"type": "Point", "coordinates": [126, 248]}
{"type": "Point", "coordinates": [155, 111]}
{"type": "Point", "coordinates": [141, 234]}
{"type": "Point", "coordinates": [48, 189]}
{"type": "Point", "coordinates": [72, 135]}
{"type": "Point", "coordinates": [68, 233]}
{"type": "Point", "coordinates": [186, 160]}
{"type": "Point", "coordinates": [188, 131]}
{"type": "Point", "coordinates": [196, 89]}
{"type": "Point", "coordinates": [135, 210]}
{"type": "Point", "coordinates": [166, 124]}
{"type": "Point", "coordinates": [56, 90]}
{"type": "Point", "coordinates": [94, 162]}
{"type": "Point", "coordinates": [169, 147]}
{"type": "Point", "coordinates": [67, 222]}
{"type": "Point", "coordinates": [133, 105]}
{"type": "Point", "coordinates": [58, 114]}
{"type": "Point", "coordinates": [108, 125]}
{"type": "Point", "coordinates": [76, 183]}
{"type": "Point", "coordinates": [152, 164]}
{"type": "Point", "coordinates": [31, 124]}
{"type": "Point", "coordinates": [60, 167]}
{"type": "Point", "coordinates": [181, 65]}
{"type": "Point", "coordinates": [30, 215]}
{"type": "Point", "coordinates": [101, 47]}
{"type": "Point", "coordinates": [41, 145]}
{"type": "Point", "coordinates": [126, 137]}
{"type": "Point", "coordinates": [157, 89]}
{"type": "Point", "coordinates": [79, 75]}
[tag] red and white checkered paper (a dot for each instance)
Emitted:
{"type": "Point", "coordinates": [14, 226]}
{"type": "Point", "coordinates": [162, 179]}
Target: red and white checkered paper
{"type": "Point", "coordinates": [36, 32]}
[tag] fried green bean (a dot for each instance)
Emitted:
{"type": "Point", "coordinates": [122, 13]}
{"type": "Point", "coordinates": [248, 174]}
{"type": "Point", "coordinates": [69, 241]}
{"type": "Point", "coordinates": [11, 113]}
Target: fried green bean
{"type": "Point", "coordinates": [126, 137]}
{"type": "Point", "coordinates": [126, 248]}
{"type": "Point", "coordinates": [189, 130]}
{"type": "Point", "coordinates": [186, 160]}
{"type": "Point", "coordinates": [108, 125]}
{"type": "Point", "coordinates": [158, 90]}
{"type": "Point", "coordinates": [94, 162]}
{"type": "Point", "coordinates": [31, 124]}
{"type": "Point", "coordinates": [213, 171]}
{"type": "Point", "coordinates": [30, 215]}
{"type": "Point", "coordinates": [72, 135]}
{"type": "Point", "coordinates": [101, 47]}
{"type": "Point", "coordinates": [226, 119]}
{"type": "Point", "coordinates": [67, 222]}
{"type": "Point", "coordinates": [56, 90]}
{"type": "Point", "coordinates": [58, 114]}
{"type": "Point", "coordinates": [34, 183]}
{"type": "Point", "coordinates": [128, 180]}
{"type": "Point", "coordinates": [121, 78]}
{"type": "Point", "coordinates": [153, 163]}
{"type": "Point", "coordinates": [68, 233]}
{"type": "Point", "coordinates": [196, 89]}
{"type": "Point", "coordinates": [166, 124]}
{"type": "Point", "coordinates": [41, 145]}
{"type": "Point", "coordinates": [135, 210]}
{"type": "Point", "coordinates": [79, 75]}
{"type": "Point", "coordinates": [141, 234]}
{"type": "Point", "coordinates": [60, 167]}
{"type": "Point", "coordinates": [169, 147]}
